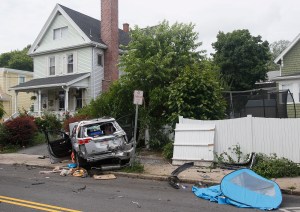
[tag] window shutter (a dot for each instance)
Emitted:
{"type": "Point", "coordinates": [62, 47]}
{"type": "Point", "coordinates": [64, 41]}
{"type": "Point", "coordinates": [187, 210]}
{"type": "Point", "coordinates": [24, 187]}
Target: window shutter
{"type": "Point", "coordinates": [75, 61]}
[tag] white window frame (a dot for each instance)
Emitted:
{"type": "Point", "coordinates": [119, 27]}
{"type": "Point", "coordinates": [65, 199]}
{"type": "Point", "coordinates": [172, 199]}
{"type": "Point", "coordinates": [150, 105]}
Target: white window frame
{"type": "Point", "coordinates": [59, 33]}
{"type": "Point", "coordinates": [69, 72]}
{"type": "Point", "coordinates": [100, 62]}
{"type": "Point", "coordinates": [51, 66]}
{"type": "Point", "coordinates": [22, 77]}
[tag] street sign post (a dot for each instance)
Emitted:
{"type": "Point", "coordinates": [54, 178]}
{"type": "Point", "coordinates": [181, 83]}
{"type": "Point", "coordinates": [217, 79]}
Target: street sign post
{"type": "Point", "coordinates": [137, 100]}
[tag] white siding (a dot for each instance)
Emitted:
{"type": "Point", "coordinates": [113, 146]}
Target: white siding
{"type": "Point", "coordinates": [97, 74]}
{"type": "Point", "coordinates": [72, 36]}
{"type": "Point", "coordinates": [82, 62]}
{"type": "Point", "coordinates": [261, 135]}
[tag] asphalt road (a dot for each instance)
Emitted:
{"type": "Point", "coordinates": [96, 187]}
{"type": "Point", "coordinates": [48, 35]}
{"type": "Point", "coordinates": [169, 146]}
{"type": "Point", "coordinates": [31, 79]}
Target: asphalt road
{"type": "Point", "coordinates": [87, 194]}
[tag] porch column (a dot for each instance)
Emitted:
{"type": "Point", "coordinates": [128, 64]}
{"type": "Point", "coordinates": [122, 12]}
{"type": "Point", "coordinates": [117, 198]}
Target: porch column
{"type": "Point", "coordinates": [66, 99]}
{"type": "Point", "coordinates": [39, 102]}
{"type": "Point", "coordinates": [16, 101]}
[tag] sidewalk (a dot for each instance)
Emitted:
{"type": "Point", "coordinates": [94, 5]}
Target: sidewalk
{"type": "Point", "coordinates": [156, 168]}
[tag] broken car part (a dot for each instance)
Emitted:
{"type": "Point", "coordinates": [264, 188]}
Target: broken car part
{"type": "Point", "coordinates": [173, 179]}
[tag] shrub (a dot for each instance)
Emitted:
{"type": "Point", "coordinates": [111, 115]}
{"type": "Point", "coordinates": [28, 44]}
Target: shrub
{"type": "Point", "coordinates": [3, 135]}
{"type": "Point", "coordinates": [20, 130]}
{"type": "Point", "coordinates": [274, 167]}
{"type": "Point", "coordinates": [48, 122]}
{"type": "Point", "coordinates": [168, 151]}
{"type": "Point", "coordinates": [76, 118]}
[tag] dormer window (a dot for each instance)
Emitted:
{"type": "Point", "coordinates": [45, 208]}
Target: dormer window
{"type": "Point", "coordinates": [59, 33]}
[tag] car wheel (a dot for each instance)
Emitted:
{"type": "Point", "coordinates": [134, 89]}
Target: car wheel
{"type": "Point", "coordinates": [81, 162]}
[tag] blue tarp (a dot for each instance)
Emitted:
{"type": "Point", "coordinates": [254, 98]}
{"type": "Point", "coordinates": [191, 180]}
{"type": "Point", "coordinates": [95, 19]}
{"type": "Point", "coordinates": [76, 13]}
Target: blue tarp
{"type": "Point", "coordinates": [243, 188]}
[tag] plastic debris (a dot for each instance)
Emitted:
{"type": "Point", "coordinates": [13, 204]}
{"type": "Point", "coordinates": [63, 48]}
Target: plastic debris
{"type": "Point", "coordinates": [72, 165]}
{"type": "Point", "coordinates": [80, 172]}
{"type": "Point", "coordinates": [64, 172]}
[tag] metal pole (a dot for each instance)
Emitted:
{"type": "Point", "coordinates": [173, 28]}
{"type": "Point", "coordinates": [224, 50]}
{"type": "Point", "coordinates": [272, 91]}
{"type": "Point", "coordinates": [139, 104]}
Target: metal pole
{"type": "Point", "coordinates": [135, 130]}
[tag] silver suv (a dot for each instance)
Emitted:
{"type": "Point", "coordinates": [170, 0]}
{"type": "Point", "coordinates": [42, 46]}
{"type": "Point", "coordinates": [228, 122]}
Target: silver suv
{"type": "Point", "coordinates": [98, 140]}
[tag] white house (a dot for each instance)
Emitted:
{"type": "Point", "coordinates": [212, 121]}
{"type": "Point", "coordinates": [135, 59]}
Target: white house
{"type": "Point", "coordinates": [75, 58]}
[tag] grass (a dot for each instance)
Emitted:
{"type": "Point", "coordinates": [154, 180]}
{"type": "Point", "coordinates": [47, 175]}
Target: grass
{"type": "Point", "coordinates": [38, 139]}
{"type": "Point", "coordinates": [136, 167]}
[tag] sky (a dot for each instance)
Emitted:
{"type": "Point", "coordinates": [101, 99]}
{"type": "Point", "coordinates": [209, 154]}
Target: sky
{"type": "Point", "coordinates": [274, 20]}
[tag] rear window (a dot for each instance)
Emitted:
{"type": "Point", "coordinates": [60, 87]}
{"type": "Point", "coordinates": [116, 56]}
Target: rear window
{"type": "Point", "coordinates": [96, 130]}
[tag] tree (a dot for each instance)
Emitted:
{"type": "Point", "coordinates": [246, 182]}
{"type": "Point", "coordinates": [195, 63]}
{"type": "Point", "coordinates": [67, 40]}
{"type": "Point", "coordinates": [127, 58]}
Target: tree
{"type": "Point", "coordinates": [2, 112]}
{"type": "Point", "coordinates": [155, 61]}
{"type": "Point", "coordinates": [276, 48]}
{"type": "Point", "coordinates": [196, 94]}
{"type": "Point", "coordinates": [243, 59]}
{"type": "Point", "coordinates": [17, 60]}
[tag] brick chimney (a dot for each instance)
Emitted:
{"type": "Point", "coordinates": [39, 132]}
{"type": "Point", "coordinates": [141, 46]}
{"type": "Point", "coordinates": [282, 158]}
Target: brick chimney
{"type": "Point", "coordinates": [126, 27]}
{"type": "Point", "coordinates": [110, 36]}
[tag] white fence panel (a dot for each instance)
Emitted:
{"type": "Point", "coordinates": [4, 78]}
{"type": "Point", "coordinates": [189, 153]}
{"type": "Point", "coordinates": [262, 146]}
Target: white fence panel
{"type": "Point", "coordinates": [193, 143]}
{"type": "Point", "coordinates": [261, 135]}
{"type": "Point", "coordinates": [280, 136]}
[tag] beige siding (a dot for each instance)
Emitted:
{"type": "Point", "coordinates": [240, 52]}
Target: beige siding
{"type": "Point", "coordinates": [291, 61]}
{"type": "Point", "coordinates": [71, 38]}
{"type": "Point", "coordinates": [10, 79]}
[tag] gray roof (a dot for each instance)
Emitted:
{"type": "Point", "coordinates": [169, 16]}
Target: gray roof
{"type": "Point", "coordinates": [43, 82]}
{"type": "Point", "coordinates": [91, 26]}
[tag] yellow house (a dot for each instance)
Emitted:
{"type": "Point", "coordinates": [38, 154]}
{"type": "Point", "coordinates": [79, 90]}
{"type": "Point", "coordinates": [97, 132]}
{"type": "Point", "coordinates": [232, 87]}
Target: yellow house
{"type": "Point", "coordinates": [9, 78]}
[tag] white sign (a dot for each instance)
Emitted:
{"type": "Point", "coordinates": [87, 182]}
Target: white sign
{"type": "Point", "coordinates": [138, 97]}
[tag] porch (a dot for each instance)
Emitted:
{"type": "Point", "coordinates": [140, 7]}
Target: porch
{"type": "Point", "coordinates": [59, 95]}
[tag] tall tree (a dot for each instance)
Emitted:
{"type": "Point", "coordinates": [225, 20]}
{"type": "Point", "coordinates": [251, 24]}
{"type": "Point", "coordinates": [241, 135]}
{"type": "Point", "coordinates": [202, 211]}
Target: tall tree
{"type": "Point", "coordinates": [243, 59]}
{"type": "Point", "coordinates": [17, 59]}
{"type": "Point", "coordinates": [276, 48]}
{"type": "Point", "coordinates": [164, 62]}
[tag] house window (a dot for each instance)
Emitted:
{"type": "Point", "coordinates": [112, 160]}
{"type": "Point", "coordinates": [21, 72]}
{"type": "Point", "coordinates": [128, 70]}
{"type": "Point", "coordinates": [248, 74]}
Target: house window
{"type": "Point", "coordinates": [21, 79]}
{"type": "Point", "coordinates": [70, 63]}
{"type": "Point", "coordinates": [52, 66]}
{"type": "Point", "coordinates": [100, 60]}
{"type": "Point", "coordinates": [78, 97]}
{"type": "Point", "coordinates": [59, 33]}
{"type": "Point", "coordinates": [61, 100]}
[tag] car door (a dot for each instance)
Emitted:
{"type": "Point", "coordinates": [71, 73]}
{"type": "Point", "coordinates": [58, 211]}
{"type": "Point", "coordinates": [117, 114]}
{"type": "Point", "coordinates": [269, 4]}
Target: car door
{"type": "Point", "coordinates": [59, 143]}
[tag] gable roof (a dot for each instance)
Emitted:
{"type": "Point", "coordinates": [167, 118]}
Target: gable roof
{"type": "Point", "coordinates": [56, 81]}
{"type": "Point", "coordinates": [284, 52]}
{"type": "Point", "coordinates": [91, 26]}
{"type": "Point", "coordinates": [87, 26]}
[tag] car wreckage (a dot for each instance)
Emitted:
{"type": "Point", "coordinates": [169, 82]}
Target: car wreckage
{"type": "Point", "coordinates": [98, 142]}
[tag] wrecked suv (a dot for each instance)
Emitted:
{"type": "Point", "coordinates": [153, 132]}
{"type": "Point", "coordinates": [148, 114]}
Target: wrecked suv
{"type": "Point", "coordinates": [98, 141]}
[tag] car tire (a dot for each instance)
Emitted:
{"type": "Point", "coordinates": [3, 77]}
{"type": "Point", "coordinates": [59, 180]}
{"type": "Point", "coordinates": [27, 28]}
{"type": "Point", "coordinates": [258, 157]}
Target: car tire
{"type": "Point", "coordinates": [81, 162]}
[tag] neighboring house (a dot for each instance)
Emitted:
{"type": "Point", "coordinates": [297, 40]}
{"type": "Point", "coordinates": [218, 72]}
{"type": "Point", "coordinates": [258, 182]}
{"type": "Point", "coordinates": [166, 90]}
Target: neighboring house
{"type": "Point", "coordinates": [75, 58]}
{"type": "Point", "coordinates": [9, 78]}
{"type": "Point", "coordinates": [289, 61]}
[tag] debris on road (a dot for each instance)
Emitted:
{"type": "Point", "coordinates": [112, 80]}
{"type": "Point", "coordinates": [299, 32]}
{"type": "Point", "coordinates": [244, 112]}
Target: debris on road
{"type": "Point", "coordinates": [137, 204]}
{"type": "Point", "coordinates": [38, 183]}
{"type": "Point", "coordinates": [80, 189]}
{"type": "Point", "coordinates": [173, 179]}
{"type": "Point", "coordinates": [104, 177]}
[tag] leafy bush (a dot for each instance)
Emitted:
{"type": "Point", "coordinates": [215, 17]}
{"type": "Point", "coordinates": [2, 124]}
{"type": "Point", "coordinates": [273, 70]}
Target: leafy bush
{"type": "Point", "coordinates": [168, 151]}
{"type": "Point", "coordinates": [39, 138]}
{"type": "Point", "coordinates": [48, 122]}
{"type": "Point", "coordinates": [274, 167]}
{"type": "Point", "coordinates": [3, 135]}
{"type": "Point", "coordinates": [76, 118]}
{"type": "Point", "coordinates": [20, 130]}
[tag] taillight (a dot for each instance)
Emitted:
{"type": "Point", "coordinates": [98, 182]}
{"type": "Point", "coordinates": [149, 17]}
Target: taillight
{"type": "Point", "coordinates": [84, 141]}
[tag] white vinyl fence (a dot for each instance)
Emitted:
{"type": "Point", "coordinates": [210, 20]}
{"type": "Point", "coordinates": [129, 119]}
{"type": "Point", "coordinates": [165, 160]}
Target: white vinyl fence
{"type": "Point", "coordinates": [260, 135]}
